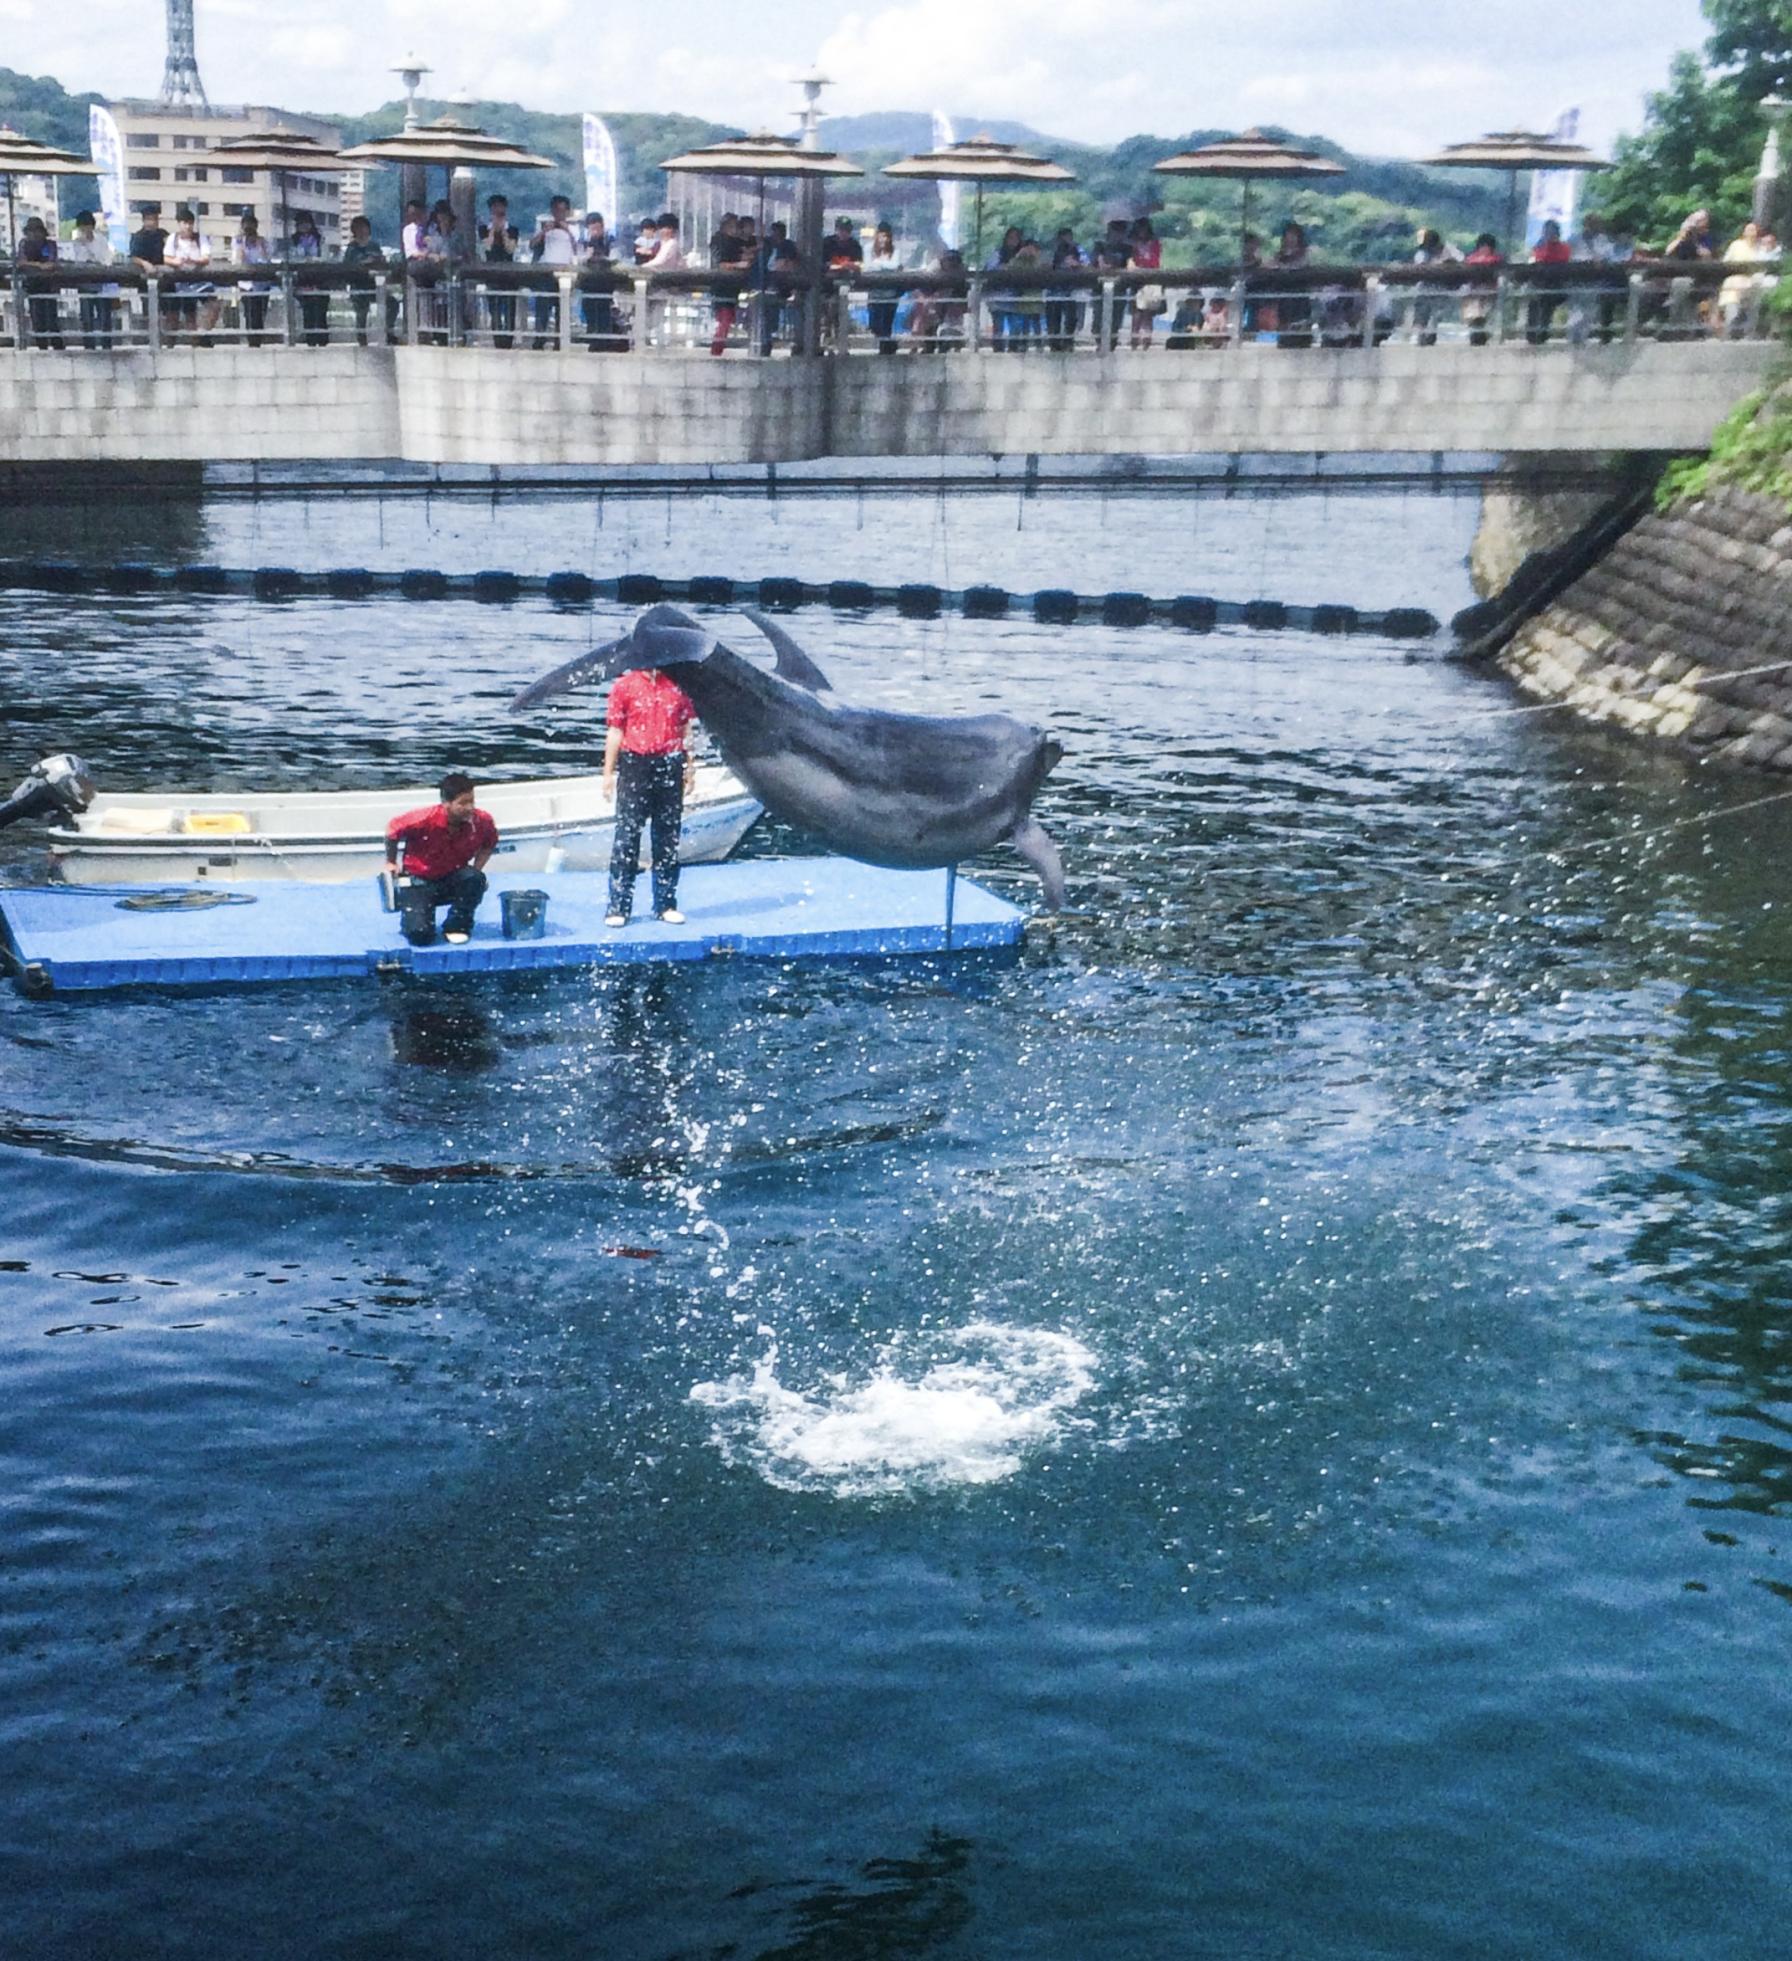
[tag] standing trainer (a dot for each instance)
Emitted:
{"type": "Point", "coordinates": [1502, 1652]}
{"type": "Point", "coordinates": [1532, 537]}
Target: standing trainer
{"type": "Point", "coordinates": [446, 846]}
{"type": "Point", "coordinates": [648, 766]}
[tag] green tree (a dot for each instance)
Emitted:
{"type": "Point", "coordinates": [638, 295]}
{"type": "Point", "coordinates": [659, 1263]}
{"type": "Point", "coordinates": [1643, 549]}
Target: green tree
{"type": "Point", "coordinates": [1699, 145]}
{"type": "Point", "coordinates": [1751, 41]}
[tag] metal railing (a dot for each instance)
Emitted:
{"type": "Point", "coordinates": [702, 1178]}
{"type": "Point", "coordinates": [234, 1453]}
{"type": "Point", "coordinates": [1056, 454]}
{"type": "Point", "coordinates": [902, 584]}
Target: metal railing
{"type": "Point", "coordinates": [1013, 310]}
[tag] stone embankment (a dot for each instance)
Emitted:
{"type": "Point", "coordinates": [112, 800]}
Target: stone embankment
{"type": "Point", "coordinates": [1667, 635]}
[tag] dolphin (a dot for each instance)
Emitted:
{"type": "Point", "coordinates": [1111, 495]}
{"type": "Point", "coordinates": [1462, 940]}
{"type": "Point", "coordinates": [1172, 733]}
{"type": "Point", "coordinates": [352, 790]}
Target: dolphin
{"type": "Point", "coordinates": [912, 791]}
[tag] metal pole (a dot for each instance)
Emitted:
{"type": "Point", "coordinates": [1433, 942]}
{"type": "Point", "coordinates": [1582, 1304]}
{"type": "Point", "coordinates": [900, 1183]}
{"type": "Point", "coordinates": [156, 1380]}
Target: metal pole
{"type": "Point", "coordinates": [1767, 178]}
{"type": "Point", "coordinates": [951, 900]}
{"type": "Point", "coordinates": [762, 340]}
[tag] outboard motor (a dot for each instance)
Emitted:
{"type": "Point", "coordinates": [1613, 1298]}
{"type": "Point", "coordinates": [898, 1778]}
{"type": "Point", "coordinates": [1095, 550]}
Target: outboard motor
{"type": "Point", "coordinates": [59, 786]}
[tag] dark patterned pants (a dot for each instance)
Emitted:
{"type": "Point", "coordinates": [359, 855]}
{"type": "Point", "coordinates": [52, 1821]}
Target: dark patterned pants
{"type": "Point", "coordinates": [418, 902]}
{"type": "Point", "coordinates": [649, 790]}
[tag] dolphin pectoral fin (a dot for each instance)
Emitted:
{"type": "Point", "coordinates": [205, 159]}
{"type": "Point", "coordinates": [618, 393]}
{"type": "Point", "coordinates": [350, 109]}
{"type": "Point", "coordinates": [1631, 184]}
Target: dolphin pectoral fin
{"type": "Point", "coordinates": [1029, 839]}
{"type": "Point", "coordinates": [598, 664]}
{"type": "Point", "coordinates": [793, 664]}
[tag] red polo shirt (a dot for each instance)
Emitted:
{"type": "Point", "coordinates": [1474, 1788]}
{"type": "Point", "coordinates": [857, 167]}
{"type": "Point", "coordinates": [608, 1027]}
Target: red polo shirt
{"type": "Point", "coordinates": [652, 711]}
{"type": "Point", "coordinates": [432, 847]}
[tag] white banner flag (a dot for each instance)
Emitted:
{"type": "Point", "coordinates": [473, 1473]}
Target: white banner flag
{"type": "Point", "coordinates": [600, 170]}
{"type": "Point", "coordinates": [942, 136]}
{"type": "Point", "coordinates": [106, 147]}
{"type": "Point", "coordinates": [1554, 193]}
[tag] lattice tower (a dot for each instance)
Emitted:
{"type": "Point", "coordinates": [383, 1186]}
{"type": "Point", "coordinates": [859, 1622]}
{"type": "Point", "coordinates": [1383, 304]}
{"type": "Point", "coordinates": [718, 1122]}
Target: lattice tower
{"type": "Point", "coordinates": [181, 86]}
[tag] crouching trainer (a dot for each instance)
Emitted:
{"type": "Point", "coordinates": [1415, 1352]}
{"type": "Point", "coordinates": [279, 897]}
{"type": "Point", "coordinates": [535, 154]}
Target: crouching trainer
{"type": "Point", "coordinates": [444, 848]}
{"type": "Point", "coordinates": [649, 768]}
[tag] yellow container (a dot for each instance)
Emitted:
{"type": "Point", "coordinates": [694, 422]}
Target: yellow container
{"type": "Point", "coordinates": [217, 824]}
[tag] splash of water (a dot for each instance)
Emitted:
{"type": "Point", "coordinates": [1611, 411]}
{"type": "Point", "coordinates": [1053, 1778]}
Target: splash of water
{"type": "Point", "coordinates": [969, 1407]}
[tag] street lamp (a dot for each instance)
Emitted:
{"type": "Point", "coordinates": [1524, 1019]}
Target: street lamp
{"type": "Point", "coordinates": [410, 69]}
{"type": "Point", "coordinates": [811, 85]}
{"type": "Point", "coordinates": [1767, 178]}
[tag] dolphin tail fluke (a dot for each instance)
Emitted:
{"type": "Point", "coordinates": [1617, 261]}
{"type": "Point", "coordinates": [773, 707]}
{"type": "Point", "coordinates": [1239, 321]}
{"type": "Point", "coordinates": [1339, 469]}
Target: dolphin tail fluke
{"type": "Point", "coordinates": [599, 664]}
{"type": "Point", "coordinates": [793, 664]}
{"type": "Point", "coordinates": [666, 637]}
{"type": "Point", "coordinates": [1029, 838]}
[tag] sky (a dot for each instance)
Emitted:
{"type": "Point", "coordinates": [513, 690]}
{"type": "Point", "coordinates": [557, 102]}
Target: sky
{"type": "Point", "coordinates": [1386, 77]}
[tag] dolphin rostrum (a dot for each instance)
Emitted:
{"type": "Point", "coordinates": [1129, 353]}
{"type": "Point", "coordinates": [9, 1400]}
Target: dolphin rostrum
{"type": "Point", "coordinates": [906, 790]}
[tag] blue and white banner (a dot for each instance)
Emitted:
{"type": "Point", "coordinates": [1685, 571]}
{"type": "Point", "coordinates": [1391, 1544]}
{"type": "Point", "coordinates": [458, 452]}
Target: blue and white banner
{"type": "Point", "coordinates": [106, 147]}
{"type": "Point", "coordinates": [1554, 193]}
{"type": "Point", "coordinates": [600, 170]}
{"type": "Point", "coordinates": [942, 136]}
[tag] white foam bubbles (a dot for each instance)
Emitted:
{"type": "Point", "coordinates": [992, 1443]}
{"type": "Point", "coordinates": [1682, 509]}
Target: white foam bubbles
{"type": "Point", "coordinates": [966, 1406]}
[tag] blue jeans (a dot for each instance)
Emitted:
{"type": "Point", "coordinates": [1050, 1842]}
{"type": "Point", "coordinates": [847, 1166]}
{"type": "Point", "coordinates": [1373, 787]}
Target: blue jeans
{"type": "Point", "coordinates": [460, 892]}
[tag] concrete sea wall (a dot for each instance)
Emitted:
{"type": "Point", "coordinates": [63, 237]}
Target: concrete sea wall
{"type": "Point", "coordinates": [1666, 634]}
{"type": "Point", "coordinates": [512, 408]}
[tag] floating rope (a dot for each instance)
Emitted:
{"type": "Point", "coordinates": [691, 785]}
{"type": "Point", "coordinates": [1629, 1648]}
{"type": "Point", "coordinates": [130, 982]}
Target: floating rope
{"type": "Point", "coordinates": [1192, 612]}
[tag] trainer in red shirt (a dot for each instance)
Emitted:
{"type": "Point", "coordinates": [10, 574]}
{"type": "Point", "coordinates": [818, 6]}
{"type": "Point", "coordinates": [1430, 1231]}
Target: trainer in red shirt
{"type": "Point", "coordinates": [649, 769]}
{"type": "Point", "coordinates": [446, 846]}
{"type": "Point", "coordinates": [651, 711]}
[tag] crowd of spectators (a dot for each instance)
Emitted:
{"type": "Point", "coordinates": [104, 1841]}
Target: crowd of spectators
{"type": "Point", "coordinates": [455, 279]}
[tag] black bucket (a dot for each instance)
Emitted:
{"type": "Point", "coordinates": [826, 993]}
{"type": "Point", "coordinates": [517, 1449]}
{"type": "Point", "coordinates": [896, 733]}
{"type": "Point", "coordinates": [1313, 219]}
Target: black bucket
{"type": "Point", "coordinates": [525, 914]}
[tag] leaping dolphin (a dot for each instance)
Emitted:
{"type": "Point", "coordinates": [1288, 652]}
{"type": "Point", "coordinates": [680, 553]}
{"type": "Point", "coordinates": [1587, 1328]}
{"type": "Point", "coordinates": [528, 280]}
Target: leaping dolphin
{"type": "Point", "coordinates": [912, 791]}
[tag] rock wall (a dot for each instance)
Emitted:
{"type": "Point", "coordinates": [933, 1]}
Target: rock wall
{"type": "Point", "coordinates": [1667, 633]}
{"type": "Point", "coordinates": [1519, 520]}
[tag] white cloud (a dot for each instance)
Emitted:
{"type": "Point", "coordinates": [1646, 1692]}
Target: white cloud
{"type": "Point", "coordinates": [1395, 76]}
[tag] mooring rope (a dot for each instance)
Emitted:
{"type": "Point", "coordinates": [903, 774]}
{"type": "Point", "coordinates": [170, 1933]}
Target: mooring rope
{"type": "Point", "coordinates": [1572, 701]}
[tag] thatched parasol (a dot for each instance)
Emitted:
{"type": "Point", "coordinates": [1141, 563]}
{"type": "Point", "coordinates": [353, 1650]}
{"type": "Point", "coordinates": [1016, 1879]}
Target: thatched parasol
{"type": "Point", "coordinates": [23, 156]}
{"type": "Point", "coordinates": [1513, 150]}
{"type": "Point", "coordinates": [1247, 158]}
{"type": "Point", "coordinates": [981, 160]}
{"type": "Point", "coordinates": [762, 157]}
{"type": "Point", "coordinates": [278, 150]}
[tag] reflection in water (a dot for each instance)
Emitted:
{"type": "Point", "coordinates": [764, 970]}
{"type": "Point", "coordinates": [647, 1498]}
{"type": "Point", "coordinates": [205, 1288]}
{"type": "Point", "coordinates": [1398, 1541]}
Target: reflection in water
{"type": "Point", "coordinates": [1714, 1238]}
{"type": "Point", "coordinates": [899, 1907]}
{"type": "Point", "coordinates": [454, 1034]}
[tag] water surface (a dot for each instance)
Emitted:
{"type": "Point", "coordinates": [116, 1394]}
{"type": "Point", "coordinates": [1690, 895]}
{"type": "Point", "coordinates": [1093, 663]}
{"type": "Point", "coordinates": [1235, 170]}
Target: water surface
{"type": "Point", "coordinates": [1257, 1427]}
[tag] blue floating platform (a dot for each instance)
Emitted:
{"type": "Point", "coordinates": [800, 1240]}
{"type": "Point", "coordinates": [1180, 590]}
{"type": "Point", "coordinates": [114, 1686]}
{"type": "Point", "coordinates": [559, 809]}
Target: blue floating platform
{"type": "Point", "coordinates": [60, 938]}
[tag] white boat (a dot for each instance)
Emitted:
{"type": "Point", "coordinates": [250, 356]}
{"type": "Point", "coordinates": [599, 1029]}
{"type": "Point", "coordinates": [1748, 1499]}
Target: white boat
{"type": "Point", "coordinates": [560, 823]}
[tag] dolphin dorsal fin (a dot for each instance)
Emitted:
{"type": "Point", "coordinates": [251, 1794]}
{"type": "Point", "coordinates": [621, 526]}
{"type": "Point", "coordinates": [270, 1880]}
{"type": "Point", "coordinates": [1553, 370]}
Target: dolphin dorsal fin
{"type": "Point", "coordinates": [793, 664]}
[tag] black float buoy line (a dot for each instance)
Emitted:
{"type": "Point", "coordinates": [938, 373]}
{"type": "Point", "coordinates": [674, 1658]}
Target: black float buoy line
{"type": "Point", "coordinates": [1193, 612]}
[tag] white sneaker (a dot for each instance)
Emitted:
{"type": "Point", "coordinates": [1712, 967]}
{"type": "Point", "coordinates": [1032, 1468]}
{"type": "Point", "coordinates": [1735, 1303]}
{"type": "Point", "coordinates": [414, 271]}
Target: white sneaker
{"type": "Point", "coordinates": [617, 919]}
{"type": "Point", "coordinates": [671, 917]}
{"type": "Point", "coordinates": [457, 939]}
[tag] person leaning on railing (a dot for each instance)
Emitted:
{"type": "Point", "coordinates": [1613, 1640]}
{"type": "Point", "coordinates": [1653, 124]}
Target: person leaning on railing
{"type": "Point", "coordinates": [1150, 299]}
{"type": "Point", "coordinates": [1739, 295]}
{"type": "Point", "coordinates": [1063, 313]}
{"type": "Point", "coordinates": [195, 303]}
{"type": "Point", "coordinates": [1478, 301]}
{"type": "Point", "coordinates": [314, 303]}
{"type": "Point", "coordinates": [731, 259]}
{"type": "Point", "coordinates": [363, 259]}
{"type": "Point", "coordinates": [599, 308]}
{"type": "Point", "coordinates": [881, 311]}
{"type": "Point", "coordinates": [498, 243]}
{"type": "Point", "coordinates": [36, 251]}
{"type": "Point", "coordinates": [99, 304]}
{"type": "Point", "coordinates": [251, 249]}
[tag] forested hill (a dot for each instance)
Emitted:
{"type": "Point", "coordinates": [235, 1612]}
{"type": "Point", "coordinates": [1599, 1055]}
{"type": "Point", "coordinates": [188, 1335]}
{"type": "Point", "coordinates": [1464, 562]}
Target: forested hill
{"type": "Point", "coordinates": [1370, 213]}
{"type": "Point", "coordinates": [39, 106]}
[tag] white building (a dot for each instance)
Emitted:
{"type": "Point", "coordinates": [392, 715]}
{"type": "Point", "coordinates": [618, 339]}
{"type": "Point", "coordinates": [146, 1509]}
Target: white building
{"type": "Point", "coordinates": [165, 163]}
{"type": "Point", "coordinates": [32, 197]}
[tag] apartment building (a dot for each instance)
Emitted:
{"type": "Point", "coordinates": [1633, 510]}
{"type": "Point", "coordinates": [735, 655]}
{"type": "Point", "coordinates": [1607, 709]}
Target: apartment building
{"type": "Point", "coordinates": [166, 163]}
